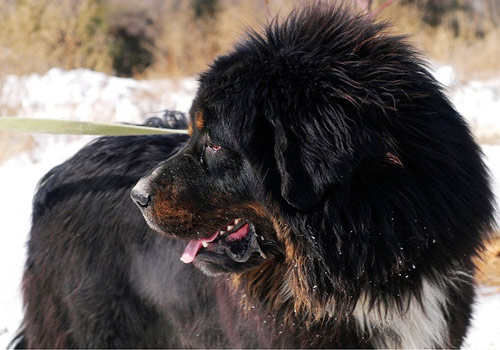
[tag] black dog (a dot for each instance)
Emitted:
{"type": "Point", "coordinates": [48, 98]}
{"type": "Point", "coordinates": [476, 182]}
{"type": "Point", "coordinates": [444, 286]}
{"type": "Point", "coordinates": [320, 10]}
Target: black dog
{"type": "Point", "coordinates": [329, 193]}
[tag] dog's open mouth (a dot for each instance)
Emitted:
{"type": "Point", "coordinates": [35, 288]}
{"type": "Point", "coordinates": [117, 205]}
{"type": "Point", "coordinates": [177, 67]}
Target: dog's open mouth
{"type": "Point", "coordinates": [238, 241]}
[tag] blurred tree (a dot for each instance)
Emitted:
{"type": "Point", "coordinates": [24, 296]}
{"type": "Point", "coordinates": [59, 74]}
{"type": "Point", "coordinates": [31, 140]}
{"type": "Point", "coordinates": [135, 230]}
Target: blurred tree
{"type": "Point", "coordinates": [435, 10]}
{"type": "Point", "coordinates": [133, 37]}
{"type": "Point", "coordinates": [452, 13]}
{"type": "Point", "coordinates": [204, 8]}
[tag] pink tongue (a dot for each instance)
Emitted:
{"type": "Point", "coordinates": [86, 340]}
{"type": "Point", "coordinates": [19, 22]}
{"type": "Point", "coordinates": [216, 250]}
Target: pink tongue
{"type": "Point", "coordinates": [194, 247]}
{"type": "Point", "coordinates": [190, 251]}
{"type": "Point", "coordinates": [236, 236]}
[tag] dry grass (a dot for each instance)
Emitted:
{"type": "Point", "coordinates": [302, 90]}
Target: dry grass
{"type": "Point", "coordinates": [187, 45]}
{"type": "Point", "coordinates": [473, 48]}
{"type": "Point", "coordinates": [39, 34]}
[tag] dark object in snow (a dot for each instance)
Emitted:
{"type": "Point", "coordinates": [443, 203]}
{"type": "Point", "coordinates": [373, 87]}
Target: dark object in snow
{"type": "Point", "coordinates": [329, 196]}
{"type": "Point", "coordinates": [168, 119]}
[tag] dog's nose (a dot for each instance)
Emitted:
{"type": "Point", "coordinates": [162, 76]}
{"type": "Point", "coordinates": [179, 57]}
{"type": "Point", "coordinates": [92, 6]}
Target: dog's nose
{"type": "Point", "coordinates": [140, 198]}
{"type": "Point", "coordinates": [140, 195]}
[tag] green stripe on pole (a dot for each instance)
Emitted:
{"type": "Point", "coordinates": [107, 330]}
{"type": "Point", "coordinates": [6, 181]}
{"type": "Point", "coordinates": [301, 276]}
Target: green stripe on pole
{"type": "Point", "coordinates": [69, 127]}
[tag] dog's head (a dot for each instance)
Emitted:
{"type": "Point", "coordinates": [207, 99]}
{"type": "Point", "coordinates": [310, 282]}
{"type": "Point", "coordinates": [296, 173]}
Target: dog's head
{"type": "Point", "coordinates": [317, 145]}
{"type": "Point", "coordinates": [210, 195]}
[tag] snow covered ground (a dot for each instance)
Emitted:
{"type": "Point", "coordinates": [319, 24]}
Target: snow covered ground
{"type": "Point", "coordinates": [18, 187]}
{"type": "Point", "coordinates": [86, 95]}
{"type": "Point", "coordinates": [76, 95]}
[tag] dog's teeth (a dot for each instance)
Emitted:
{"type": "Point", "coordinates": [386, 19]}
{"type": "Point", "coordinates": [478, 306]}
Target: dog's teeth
{"type": "Point", "coordinates": [204, 244]}
{"type": "Point", "coordinates": [222, 233]}
{"type": "Point", "coordinates": [236, 221]}
{"type": "Point", "coordinates": [230, 227]}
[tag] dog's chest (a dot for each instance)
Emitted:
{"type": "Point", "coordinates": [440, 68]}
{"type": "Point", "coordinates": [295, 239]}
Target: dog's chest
{"type": "Point", "coordinates": [420, 325]}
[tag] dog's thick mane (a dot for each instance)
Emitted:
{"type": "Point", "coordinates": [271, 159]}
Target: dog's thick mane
{"type": "Point", "coordinates": [386, 220]}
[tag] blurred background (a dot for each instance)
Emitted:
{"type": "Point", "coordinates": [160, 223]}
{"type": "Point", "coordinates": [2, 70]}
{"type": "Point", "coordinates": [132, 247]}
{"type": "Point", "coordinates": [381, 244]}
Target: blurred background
{"type": "Point", "coordinates": [165, 38]}
{"type": "Point", "coordinates": [118, 60]}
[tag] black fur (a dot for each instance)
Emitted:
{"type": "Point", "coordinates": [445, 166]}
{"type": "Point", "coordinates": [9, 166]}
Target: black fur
{"type": "Point", "coordinates": [360, 183]}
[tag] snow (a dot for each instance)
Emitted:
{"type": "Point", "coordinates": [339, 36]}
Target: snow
{"type": "Point", "coordinates": [478, 101]}
{"type": "Point", "coordinates": [492, 158]}
{"type": "Point", "coordinates": [87, 95]}
{"type": "Point", "coordinates": [485, 328]}
{"type": "Point", "coordinates": [17, 188]}
{"type": "Point", "coordinates": [445, 74]}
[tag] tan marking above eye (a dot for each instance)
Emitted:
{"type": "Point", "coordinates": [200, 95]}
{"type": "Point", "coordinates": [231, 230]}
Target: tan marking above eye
{"type": "Point", "coordinates": [198, 119]}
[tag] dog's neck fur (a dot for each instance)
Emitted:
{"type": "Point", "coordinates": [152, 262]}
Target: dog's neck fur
{"type": "Point", "coordinates": [421, 324]}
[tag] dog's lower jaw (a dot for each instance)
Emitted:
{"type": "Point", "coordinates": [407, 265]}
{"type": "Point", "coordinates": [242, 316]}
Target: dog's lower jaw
{"type": "Point", "coordinates": [207, 270]}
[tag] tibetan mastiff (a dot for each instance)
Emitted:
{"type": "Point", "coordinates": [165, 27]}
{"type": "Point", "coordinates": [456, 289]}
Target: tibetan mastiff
{"type": "Point", "coordinates": [329, 195]}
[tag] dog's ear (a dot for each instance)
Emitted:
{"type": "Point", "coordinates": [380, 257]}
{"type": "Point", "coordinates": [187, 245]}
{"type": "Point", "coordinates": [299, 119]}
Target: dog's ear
{"type": "Point", "coordinates": [297, 185]}
{"type": "Point", "coordinates": [312, 157]}
{"type": "Point", "coordinates": [304, 165]}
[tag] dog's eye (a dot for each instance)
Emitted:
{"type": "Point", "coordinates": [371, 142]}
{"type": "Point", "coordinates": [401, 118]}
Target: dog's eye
{"type": "Point", "coordinates": [210, 149]}
{"type": "Point", "coordinates": [213, 148]}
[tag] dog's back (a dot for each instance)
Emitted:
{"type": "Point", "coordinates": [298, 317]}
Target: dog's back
{"type": "Point", "coordinates": [75, 285]}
